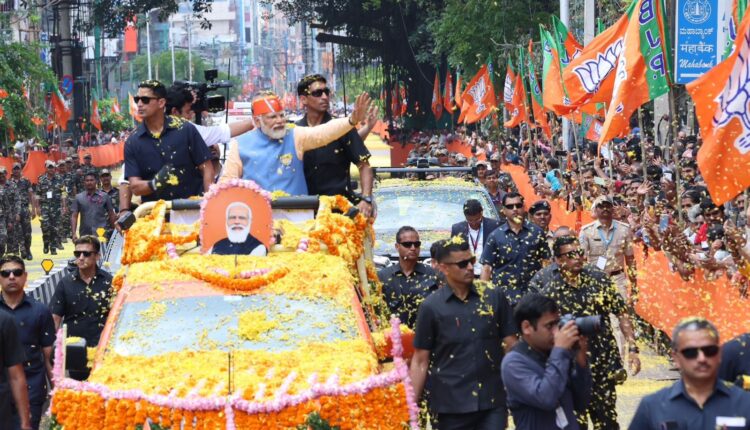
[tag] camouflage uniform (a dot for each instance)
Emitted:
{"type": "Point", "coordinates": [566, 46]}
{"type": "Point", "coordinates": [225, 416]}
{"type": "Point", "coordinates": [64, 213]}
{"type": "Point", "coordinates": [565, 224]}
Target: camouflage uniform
{"type": "Point", "coordinates": [21, 237]}
{"type": "Point", "coordinates": [50, 193]}
{"type": "Point", "coordinates": [9, 208]}
{"type": "Point", "coordinates": [89, 169]}
{"type": "Point", "coordinates": [71, 188]}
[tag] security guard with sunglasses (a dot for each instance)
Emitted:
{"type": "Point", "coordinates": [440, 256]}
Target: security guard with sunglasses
{"type": "Point", "coordinates": [327, 168]}
{"type": "Point", "coordinates": [165, 157]}
{"type": "Point", "coordinates": [699, 400]}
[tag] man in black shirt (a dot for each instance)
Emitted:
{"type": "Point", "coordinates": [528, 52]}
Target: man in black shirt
{"type": "Point", "coordinates": [327, 168]}
{"type": "Point", "coordinates": [584, 290]}
{"type": "Point", "coordinates": [406, 284]}
{"type": "Point", "coordinates": [11, 359]}
{"type": "Point", "coordinates": [735, 361]}
{"type": "Point", "coordinates": [515, 251]}
{"type": "Point", "coordinates": [35, 329]}
{"type": "Point", "coordinates": [458, 345]}
{"type": "Point", "coordinates": [165, 157]}
{"type": "Point", "coordinates": [82, 299]}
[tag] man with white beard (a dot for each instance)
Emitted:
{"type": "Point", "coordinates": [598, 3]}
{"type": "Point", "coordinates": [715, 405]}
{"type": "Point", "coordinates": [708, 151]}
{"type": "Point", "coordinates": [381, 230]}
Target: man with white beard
{"type": "Point", "coordinates": [272, 153]}
{"type": "Point", "coordinates": [239, 241]}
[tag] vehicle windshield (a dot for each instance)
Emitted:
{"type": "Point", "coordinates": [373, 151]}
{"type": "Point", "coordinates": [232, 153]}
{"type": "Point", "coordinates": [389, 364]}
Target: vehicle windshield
{"type": "Point", "coordinates": [256, 322]}
{"type": "Point", "coordinates": [432, 211]}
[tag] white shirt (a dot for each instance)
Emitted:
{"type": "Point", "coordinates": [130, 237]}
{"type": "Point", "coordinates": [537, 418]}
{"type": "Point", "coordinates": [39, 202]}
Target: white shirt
{"type": "Point", "coordinates": [214, 135]}
{"type": "Point", "coordinates": [476, 245]}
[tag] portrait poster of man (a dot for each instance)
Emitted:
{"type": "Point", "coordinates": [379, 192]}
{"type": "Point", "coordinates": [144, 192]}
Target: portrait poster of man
{"type": "Point", "coordinates": [236, 221]}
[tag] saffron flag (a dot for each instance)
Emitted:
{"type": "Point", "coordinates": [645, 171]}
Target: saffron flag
{"type": "Point", "coordinates": [95, 120]}
{"type": "Point", "coordinates": [517, 112]}
{"type": "Point", "coordinates": [509, 86]}
{"type": "Point", "coordinates": [590, 77]}
{"type": "Point", "coordinates": [479, 97]}
{"type": "Point", "coordinates": [60, 110]}
{"type": "Point", "coordinates": [116, 105]}
{"type": "Point", "coordinates": [594, 131]}
{"type": "Point", "coordinates": [721, 105]}
{"type": "Point", "coordinates": [459, 90]}
{"type": "Point", "coordinates": [570, 48]}
{"type": "Point", "coordinates": [448, 93]}
{"type": "Point", "coordinates": [437, 102]}
{"type": "Point", "coordinates": [738, 12]}
{"type": "Point", "coordinates": [540, 116]}
{"type": "Point", "coordinates": [642, 68]}
{"type": "Point", "coordinates": [133, 108]}
{"type": "Point", "coordinates": [553, 93]}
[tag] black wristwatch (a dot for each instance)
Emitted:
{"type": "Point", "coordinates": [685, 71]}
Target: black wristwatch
{"type": "Point", "coordinates": [367, 199]}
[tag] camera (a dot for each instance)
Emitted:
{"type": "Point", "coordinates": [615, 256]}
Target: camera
{"type": "Point", "coordinates": [586, 325]}
{"type": "Point", "coordinates": [210, 103]}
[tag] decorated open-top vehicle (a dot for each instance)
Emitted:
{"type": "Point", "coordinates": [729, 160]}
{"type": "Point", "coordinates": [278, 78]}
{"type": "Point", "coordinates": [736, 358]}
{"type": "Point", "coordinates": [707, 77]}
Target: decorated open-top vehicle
{"type": "Point", "coordinates": [294, 339]}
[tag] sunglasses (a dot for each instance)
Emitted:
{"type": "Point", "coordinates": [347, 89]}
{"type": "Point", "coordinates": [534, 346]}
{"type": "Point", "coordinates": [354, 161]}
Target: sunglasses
{"type": "Point", "coordinates": [15, 272]}
{"type": "Point", "coordinates": [143, 99]}
{"type": "Point", "coordinates": [319, 92]}
{"type": "Point", "coordinates": [514, 206]}
{"type": "Point", "coordinates": [415, 244]}
{"type": "Point", "coordinates": [84, 253]}
{"type": "Point", "coordinates": [692, 353]}
{"type": "Point", "coordinates": [463, 263]}
{"type": "Point", "coordinates": [576, 253]}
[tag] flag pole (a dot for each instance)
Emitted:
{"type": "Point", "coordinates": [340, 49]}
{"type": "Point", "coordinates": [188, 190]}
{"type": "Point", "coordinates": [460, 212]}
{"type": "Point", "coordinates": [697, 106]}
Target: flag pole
{"type": "Point", "coordinates": [675, 155]}
{"type": "Point", "coordinates": [642, 136]}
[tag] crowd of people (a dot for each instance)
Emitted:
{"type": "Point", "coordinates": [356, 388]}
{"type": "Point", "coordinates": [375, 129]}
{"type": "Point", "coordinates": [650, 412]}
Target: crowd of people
{"type": "Point", "coordinates": [542, 274]}
{"type": "Point", "coordinates": [496, 312]}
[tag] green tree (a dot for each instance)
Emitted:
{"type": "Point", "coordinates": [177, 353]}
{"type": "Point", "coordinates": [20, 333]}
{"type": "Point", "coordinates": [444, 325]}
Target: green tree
{"type": "Point", "coordinates": [161, 69]}
{"type": "Point", "coordinates": [18, 110]}
{"type": "Point", "coordinates": [113, 122]}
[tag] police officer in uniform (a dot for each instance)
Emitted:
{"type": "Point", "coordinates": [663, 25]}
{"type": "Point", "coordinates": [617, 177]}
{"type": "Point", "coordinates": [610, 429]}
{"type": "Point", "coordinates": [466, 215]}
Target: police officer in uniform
{"type": "Point", "coordinates": [22, 233]}
{"type": "Point", "coordinates": [9, 210]}
{"type": "Point", "coordinates": [68, 179]}
{"type": "Point", "coordinates": [50, 191]}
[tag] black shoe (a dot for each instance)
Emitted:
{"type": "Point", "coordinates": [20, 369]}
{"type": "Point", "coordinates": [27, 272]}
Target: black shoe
{"type": "Point", "coordinates": [53, 252]}
{"type": "Point", "coordinates": [27, 256]}
{"type": "Point", "coordinates": [46, 249]}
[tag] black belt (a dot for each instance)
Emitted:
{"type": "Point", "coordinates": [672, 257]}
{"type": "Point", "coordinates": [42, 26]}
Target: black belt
{"type": "Point", "coordinates": [616, 272]}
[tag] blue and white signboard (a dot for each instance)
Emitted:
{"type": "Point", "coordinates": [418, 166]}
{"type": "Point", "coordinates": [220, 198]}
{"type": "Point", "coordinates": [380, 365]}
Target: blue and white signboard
{"type": "Point", "coordinates": [700, 36]}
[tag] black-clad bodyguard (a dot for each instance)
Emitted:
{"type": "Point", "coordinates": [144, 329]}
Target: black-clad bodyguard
{"type": "Point", "coordinates": [408, 282]}
{"type": "Point", "coordinates": [36, 332]}
{"type": "Point", "coordinates": [165, 157]}
{"type": "Point", "coordinates": [458, 344]}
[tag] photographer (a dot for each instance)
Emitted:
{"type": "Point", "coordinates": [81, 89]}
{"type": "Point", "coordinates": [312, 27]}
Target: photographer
{"type": "Point", "coordinates": [165, 158]}
{"type": "Point", "coordinates": [546, 375]}
{"type": "Point", "coordinates": [582, 289]}
{"type": "Point", "coordinates": [180, 100]}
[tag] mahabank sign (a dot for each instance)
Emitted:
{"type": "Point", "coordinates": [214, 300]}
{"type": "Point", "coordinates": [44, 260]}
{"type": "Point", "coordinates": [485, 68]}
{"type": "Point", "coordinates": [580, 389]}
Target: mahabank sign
{"type": "Point", "coordinates": [701, 36]}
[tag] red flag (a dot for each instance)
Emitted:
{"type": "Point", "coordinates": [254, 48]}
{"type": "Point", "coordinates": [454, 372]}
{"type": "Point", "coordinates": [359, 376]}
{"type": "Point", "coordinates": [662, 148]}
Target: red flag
{"type": "Point", "coordinates": [131, 38]}
{"type": "Point", "coordinates": [448, 93]}
{"type": "Point", "coordinates": [720, 97]}
{"type": "Point", "coordinates": [96, 120]}
{"type": "Point", "coordinates": [60, 110]}
{"type": "Point", "coordinates": [437, 102]}
{"type": "Point", "coordinates": [479, 97]}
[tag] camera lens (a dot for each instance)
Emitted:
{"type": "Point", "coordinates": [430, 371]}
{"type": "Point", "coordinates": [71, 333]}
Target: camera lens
{"type": "Point", "coordinates": [589, 325]}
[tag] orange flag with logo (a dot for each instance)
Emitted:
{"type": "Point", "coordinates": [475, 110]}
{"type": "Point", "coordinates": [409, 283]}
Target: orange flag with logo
{"type": "Point", "coordinates": [448, 93]}
{"type": "Point", "coordinates": [721, 104]}
{"type": "Point", "coordinates": [517, 114]}
{"type": "Point", "coordinates": [459, 91]}
{"type": "Point", "coordinates": [590, 77]}
{"type": "Point", "coordinates": [437, 102]}
{"type": "Point", "coordinates": [479, 97]}
{"type": "Point", "coordinates": [642, 72]}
